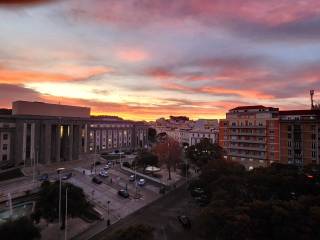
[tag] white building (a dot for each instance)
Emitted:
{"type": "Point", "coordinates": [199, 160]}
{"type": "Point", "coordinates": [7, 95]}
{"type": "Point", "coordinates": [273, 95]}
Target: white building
{"type": "Point", "coordinates": [188, 132]}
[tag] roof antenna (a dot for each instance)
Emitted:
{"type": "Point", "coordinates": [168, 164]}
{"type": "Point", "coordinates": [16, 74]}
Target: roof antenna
{"type": "Point", "coordinates": [311, 97]}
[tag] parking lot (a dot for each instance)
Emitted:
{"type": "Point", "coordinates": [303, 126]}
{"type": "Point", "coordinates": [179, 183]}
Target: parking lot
{"type": "Point", "coordinates": [100, 194]}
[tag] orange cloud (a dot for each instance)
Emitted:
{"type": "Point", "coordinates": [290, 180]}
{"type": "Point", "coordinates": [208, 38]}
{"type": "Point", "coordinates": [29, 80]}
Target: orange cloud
{"type": "Point", "coordinates": [243, 93]}
{"type": "Point", "coordinates": [71, 73]}
{"type": "Point", "coordinates": [132, 55]}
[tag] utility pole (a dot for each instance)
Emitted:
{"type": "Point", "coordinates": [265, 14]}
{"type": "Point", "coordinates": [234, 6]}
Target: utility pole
{"type": "Point", "coordinates": [66, 217]}
{"type": "Point", "coordinates": [59, 170]}
{"type": "Point", "coordinates": [108, 213]}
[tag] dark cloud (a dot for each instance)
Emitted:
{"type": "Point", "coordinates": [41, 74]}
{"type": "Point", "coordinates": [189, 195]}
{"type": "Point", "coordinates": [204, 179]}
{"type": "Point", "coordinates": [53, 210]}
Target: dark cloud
{"type": "Point", "coordinates": [10, 93]}
{"type": "Point", "coordinates": [24, 2]}
{"type": "Point", "coordinates": [263, 20]}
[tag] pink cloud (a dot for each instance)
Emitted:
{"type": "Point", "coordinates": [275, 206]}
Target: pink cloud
{"type": "Point", "coordinates": [132, 55]}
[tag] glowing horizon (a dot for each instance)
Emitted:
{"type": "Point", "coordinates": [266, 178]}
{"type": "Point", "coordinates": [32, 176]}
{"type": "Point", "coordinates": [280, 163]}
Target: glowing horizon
{"type": "Point", "coordinates": [142, 60]}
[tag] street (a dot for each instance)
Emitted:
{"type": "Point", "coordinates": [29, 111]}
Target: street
{"type": "Point", "coordinates": [161, 215]}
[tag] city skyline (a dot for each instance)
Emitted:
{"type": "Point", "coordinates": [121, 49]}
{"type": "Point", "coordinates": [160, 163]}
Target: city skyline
{"type": "Point", "coordinates": [144, 59]}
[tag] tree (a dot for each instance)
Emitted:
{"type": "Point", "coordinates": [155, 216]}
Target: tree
{"type": "Point", "coordinates": [146, 158]}
{"type": "Point", "coordinates": [135, 232]}
{"type": "Point", "coordinates": [48, 204]}
{"type": "Point", "coordinates": [152, 133]}
{"type": "Point", "coordinates": [204, 151]}
{"type": "Point", "coordinates": [20, 229]}
{"type": "Point", "coordinates": [277, 202]}
{"type": "Point", "coordinates": [169, 153]}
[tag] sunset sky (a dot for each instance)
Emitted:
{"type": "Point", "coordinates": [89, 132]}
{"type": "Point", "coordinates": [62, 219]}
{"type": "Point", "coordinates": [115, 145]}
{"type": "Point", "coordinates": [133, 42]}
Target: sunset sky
{"type": "Point", "coordinates": [145, 59]}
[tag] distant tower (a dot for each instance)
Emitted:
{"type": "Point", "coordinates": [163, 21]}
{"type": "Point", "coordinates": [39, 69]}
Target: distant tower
{"type": "Point", "coordinates": [311, 96]}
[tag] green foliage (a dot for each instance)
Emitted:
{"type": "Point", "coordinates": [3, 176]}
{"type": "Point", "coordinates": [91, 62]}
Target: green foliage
{"type": "Point", "coordinates": [146, 158]}
{"type": "Point", "coordinates": [152, 133]}
{"type": "Point", "coordinates": [203, 152]}
{"type": "Point", "coordinates": [20, 229]}
{"type": "Point", "coordinates": [48, 204]}
{"type": "Point", "coordinates": [135, 232]}
{"type": "Point", "coordinates": [278, 202]}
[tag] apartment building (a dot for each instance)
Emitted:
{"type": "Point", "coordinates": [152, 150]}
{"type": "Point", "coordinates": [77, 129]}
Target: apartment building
{"type": "Point", "coordinates": [196, 135]}
{"type": "Point", "coordinates": [300, 137]}
{"type": "Point", "coordinates": [250, 135]}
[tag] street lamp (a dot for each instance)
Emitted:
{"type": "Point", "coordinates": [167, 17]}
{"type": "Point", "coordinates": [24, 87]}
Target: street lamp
{"type": "Point", "coordinates": [66, 217]}
{"type": "Point", "coordinates": [59, 170]}
{"type": "Point", "coordinates": [108, 209]}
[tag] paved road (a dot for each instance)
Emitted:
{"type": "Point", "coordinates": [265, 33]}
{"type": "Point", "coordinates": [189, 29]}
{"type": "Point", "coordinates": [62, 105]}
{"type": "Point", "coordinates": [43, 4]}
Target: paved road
{"type": "Point", "coordinates": [161, 214]}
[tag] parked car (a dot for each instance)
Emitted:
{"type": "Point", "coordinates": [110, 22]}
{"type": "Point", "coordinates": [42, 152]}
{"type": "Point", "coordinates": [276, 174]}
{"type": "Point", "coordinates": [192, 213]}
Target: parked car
{"type": "Point", "coordinates": [96, 180]}
{"type": "Point", "coordinates": [197, 192]}
{"type": "Point", "coordinates": [43, 177]}
{"type": "Point", "coordinates": [103, 173]}
{"type": "Point", "coordinates": [67, 176]}
{"type": "Point", "coordinates": [141, 182]}
{"type": "Point", "coordinates": [202, 200]}
{"type": "Point", "coordinates": [106, 167]}
{"type": "Point", "coordinates": [132, 178]}
{"type": "Point", "coordinates": [123, 193]}
{"type": "Point", "coordinates": [185, 221]}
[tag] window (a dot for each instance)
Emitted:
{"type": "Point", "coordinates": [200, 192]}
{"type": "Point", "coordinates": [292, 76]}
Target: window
{"type": "Point", "coordinates": [313, 154]}
{"type": "Point", "coordinates": [4, 146]}
{"type": "Point", "coordinates": [4, 157]}
{"type": "Point", "coordinates": [5, 136]}
{"type": "Point", "coordinates": [289, 128]}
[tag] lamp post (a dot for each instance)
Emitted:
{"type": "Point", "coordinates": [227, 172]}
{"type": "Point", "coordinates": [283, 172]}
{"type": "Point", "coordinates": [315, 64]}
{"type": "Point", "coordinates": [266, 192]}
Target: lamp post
{"type": "Point", "coordinates": [59, 170]}
{"type": "Point", "coordinates": [66, 217]}
{"type": "Point", "coordinates": [108, 213]}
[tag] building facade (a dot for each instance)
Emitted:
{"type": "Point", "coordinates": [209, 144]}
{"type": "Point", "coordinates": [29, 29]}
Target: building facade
{"type": "Point", "coordinates": [258, 136]}
{"type": "Point", "coordinates": [188, 132]}
{"type": "Point", "coordinates": [250, 135]}
{"type": "Point", "coordinates": [107, 136]}
{"type": "Point", "coordinates": [47, 133]}
{"type": "Point", "coordinates": [300, 137]}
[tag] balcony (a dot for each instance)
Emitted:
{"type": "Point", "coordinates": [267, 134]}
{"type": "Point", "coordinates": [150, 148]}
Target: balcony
{"type": "Point", "coordinates": [247, 127]}
{"type": "Point", "coordinates": [260, 149]}
{"type": "Point", "coordinates": [248, 134]}
{"type": "Point", "coordinates": [247, 156]}
{"type": "Point", "coordinates": [246, 141]}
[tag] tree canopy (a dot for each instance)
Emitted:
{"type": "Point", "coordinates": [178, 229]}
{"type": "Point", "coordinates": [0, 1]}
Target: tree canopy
{"type": "Point", "coordinates": [20, 229]}
{"type": "Point", "coordinates": [277, 202]}
{"type": "Point", "coordinates": [152, 133]}
{"type": "Point", "coordinates": [204, 151]}
{"type": "Point", "coordinates": [169, 153]}
{"type": "Point", "coordinates": [48, 204]}
{"type": "Point", "coordinates": [146, 158]}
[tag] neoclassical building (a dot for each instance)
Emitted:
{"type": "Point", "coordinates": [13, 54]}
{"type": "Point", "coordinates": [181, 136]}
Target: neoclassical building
{"type": "Point", "coordinates": [47, 133]}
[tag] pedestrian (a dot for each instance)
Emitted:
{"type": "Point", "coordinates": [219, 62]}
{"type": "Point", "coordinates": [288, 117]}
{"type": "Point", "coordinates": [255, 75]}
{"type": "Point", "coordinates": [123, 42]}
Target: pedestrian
{"type": "Point", "coordinates": [83, 172]}
{"type": "Point", "coordinates": [111, 180]}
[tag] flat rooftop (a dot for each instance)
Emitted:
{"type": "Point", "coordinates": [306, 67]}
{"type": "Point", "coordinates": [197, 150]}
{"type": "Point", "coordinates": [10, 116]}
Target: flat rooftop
{"type": "Point", "coordinates": [48, 109]}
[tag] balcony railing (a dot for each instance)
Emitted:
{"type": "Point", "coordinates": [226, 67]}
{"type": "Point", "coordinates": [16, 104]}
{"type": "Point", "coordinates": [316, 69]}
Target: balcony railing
{"type": "Point", "coordinates": [247, 156]}
{"type": "Point", "coordinates": [249, 148]}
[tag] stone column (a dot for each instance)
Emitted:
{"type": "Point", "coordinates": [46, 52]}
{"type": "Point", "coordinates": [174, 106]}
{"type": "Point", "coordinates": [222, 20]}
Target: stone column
{"type": "Point", "coordinates": [24, 142]}
{"type": "Point", "coordinates": [58, 142]}
{"type": "Point", "coordinates": [70, 142]}
{"type": "Point", "coordinates": [47, 143]}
